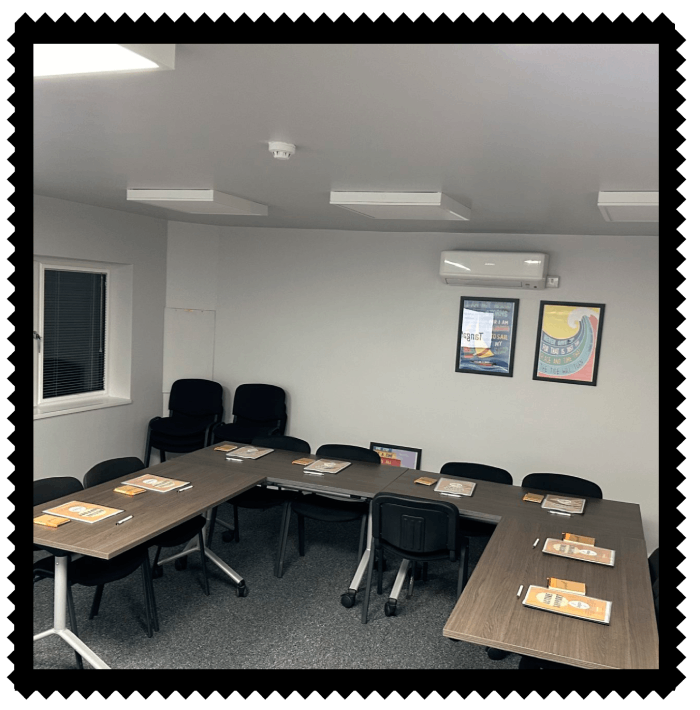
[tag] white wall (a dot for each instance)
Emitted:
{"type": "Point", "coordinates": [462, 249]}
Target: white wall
{"type": "Point", "coordinates": [70, 444]}
{"type": "Point", "coordinates": [360, 332]}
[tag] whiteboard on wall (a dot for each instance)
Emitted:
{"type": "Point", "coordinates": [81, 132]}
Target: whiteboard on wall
{"type": "Point", "coordinates": [188, 345]}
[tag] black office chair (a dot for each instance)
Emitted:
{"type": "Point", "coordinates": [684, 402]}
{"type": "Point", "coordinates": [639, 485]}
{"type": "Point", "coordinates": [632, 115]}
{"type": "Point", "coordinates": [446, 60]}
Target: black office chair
{"type": "Point", "coordinates": [258, 410]}
{"type": "Point", "coordinates": [418, 531]}
{"type": "Point", "coordinates": [47, 489]}
{"type": "Point", "coordinates": [261, 497]}
{"type": "Point", "coordinates": [561, 483]}
{"type": "Point", "coordinates": [476, 472]}
{"type": "Point", "coordinates": [527, 663]}
{"type": "Point", "coordinates": [123, 468]}
{"type": "Point", "coordinates": [195, 407]}
{"type": "Point", "coordinates": [325, 508]}
{"type": "Point", "coordinates": [93, 572]}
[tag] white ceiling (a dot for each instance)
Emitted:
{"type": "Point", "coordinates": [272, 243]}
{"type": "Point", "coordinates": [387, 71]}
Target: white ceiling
{"type": "Point", "coordinates": [525, 135]}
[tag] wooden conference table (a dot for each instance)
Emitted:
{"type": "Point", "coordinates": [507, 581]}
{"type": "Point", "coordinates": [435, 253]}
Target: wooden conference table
{"type": "Point", "coordinates": [488, 612]}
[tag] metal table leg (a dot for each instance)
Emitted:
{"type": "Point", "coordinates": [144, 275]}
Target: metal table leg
{"type": "Point", "coordinates": [193, 546]}
{"type": "Point", "coordinates": [60, 593]}
{"type": "Point", "coordinates": [348, 599]}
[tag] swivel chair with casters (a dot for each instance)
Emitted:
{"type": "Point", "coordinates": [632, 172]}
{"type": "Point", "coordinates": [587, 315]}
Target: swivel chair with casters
{"type": "Point", "coordinates": [195, 407]}
{"type": "Point", "coordinates": [258, 410]}
{"type": "Point", "coordinates": [418, 531]}
{"type": "Point", "coordinates": [260, 497]}
{"type": "Point", "coordinates": [121, 468]}
{"type": "Point", "coordinates": [324, 507]}
{"type": "Point", "coordinates": [47, 489]}
{"type": "Point", "coordinates": [477, 472]}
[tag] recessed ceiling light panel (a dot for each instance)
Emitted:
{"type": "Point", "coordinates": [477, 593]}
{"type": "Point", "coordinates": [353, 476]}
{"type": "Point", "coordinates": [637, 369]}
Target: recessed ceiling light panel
{"type": "Point", "coordinates": [401, 205]}
{"type": "Point", "coordinates": [198, 202]}
{"type": "Point", "coordinates": [629, 206]}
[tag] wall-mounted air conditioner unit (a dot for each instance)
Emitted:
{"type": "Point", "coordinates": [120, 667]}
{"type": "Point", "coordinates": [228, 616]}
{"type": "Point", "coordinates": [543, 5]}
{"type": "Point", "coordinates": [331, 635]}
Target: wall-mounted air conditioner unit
{"type": "Point", "coordinates": [500, 269]}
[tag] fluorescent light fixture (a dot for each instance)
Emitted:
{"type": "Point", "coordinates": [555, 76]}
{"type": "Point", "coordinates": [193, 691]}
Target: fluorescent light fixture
{"type": "Point", "coordinates": [401, 205]}
{"type": "Point", "coordinates": [61, 59]}
{"type": "Point", "coordinates": [629, 206]}
{"type": "Point", "coordinates": [198, 202]}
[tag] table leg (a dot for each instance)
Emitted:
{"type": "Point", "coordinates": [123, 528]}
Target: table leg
{"type": "Point", "coordinates": [348, 599]}
{"type": "Point", "coordinates": [193, 546]}
{"type": "Point", "coordinates": [60, 593]}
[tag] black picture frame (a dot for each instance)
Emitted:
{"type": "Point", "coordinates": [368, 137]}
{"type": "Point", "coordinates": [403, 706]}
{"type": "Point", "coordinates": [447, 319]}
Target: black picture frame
{"type": "Point", "coordinates": [496, 359]}
{"type": "Point", "coordinates": [549, 346]}
{"type": "Point", "coordinates": [390, 448]}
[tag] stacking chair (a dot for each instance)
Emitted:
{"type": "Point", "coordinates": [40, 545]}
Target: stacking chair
{"type": "Point", "coordinates": [258, 410]}
{"type": "Point", "coordinates": [195, 407]}
{"type": "Point", "coordinates": [418, 531]}
{"type": "Point", "coordinates": [96, 573]}
{"type": "Point", "coordinates": [561, 483]}
{"type": "Point", "coordinates": [326, 508]}
{"type": "Point", "coordinates": [122, 468]}
{"type": "Point", "coordinates": [47, 489]}
{"type": "Point", "coordinates": [477, 472]}
{"type": "Point", "coordinates": [261, 497]}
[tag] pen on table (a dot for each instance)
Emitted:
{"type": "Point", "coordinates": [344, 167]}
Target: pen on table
{"type": "Point", "coordinates": [451, 495]}
{"type": "Point", "coordinates": [534, 544]}
{"type": "Point", "coordinates": [123, 520]}
{"type": "Point", "coordinates": [519, 591]}
{"type": "Point", "coordinates": [556, 512]}
{"type": "Point", "coordinates": [231, 458]}
{"type": "Point", "coordinates": [186, 488]}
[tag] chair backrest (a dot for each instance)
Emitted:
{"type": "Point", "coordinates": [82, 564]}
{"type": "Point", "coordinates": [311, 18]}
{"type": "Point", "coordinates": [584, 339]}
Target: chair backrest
{"type": "Point", "coordinates": [415, 526]}
{"type": "Point", "coordinates": [287, 443]}
{"type": "Point", "coordinates": [46, 489]}
{"type": "Point", "coordinates": [561, 483]}
{"type": "Point", "coordinates": [111, 469]}
{"type": "Point", "coordinates": [654, 565]}
{"type": "Point", "coordinates": [259, 404]}
{"type": "Point", "coordinates": [196, 398]}
{"type": "Point", "coordinates": [346, 451]}
{"type": "Point", "coordinates": [479, 471]}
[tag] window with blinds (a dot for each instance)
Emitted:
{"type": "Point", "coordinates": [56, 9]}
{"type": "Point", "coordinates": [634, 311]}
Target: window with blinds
{"type": "Point", "coordinates": [73, 342]}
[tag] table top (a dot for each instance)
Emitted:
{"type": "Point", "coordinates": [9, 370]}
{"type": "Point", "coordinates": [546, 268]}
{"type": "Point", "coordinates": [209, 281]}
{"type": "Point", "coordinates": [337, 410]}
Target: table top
{"type": "Point", "coordinates": [489, 612]}
{"type": "Point", "coordinates": [153, 512]}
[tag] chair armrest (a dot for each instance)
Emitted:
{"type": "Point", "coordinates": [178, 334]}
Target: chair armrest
{"type": "Point", "coordinates": [154, 419]}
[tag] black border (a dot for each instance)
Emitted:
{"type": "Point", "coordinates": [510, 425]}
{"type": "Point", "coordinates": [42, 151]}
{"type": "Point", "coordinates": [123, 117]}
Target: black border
{"type": "Point", "coordinates": [372, 444]}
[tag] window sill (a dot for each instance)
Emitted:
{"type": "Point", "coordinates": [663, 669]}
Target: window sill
{"type": "Point", "coordinates": [56, 410]}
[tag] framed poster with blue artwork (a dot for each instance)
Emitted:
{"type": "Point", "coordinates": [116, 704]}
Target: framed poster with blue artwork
{"type": "Point", "coordinates": [486, 336]}
{"type": "Point", "coordinates": [568, 342]}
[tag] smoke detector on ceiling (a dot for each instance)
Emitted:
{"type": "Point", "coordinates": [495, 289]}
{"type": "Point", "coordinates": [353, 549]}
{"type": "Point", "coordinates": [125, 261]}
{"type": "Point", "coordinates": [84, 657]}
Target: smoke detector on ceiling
{"type": "Point", "coordinates": [281, 151]}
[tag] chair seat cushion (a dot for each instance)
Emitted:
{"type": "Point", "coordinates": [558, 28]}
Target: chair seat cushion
{"type": "Point", "coordinates": [329, 509]}
{"type": "Point", "coordinates": [91, 572]}
{"type": "Point", "coordinates": [170, 426]}
{"type": "Point", "coordinates": [181, 534]}
{"type": "Point", "coordinates": [241, 434]}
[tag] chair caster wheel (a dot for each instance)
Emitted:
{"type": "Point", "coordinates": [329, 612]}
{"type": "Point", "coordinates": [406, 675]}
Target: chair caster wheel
{"type": "Point", "coordinates": [455, 640]}
{"type": "Point", "coordinates": [242, 590]}
{"type": "Point", "coordinates": [390, 608]}
{"type": "Point", "coordinates": [227, 536]}
{"type": "Point", "coordinates": [157, 572]}
{"type": "Point", "coordinates": [496, 654]}
{"type": "Point", "coordinates": [181, 563]}
{"type": "Point", "coordinates": [348, 599]}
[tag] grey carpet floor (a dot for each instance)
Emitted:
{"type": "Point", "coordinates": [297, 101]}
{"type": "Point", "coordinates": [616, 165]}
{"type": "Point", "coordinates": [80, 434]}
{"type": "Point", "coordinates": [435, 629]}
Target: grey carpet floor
{"type": "Point", "coordinates": [296, 621]}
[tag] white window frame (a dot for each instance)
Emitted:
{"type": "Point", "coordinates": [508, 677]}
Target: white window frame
{"type": "Point", "coordinates": [118, 313]}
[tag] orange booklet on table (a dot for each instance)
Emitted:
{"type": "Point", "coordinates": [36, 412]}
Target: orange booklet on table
{"type": "Point", "coordinates": [85, 512]}
{"type": "Point", "coordinates": [576, 605]}
{"type": "Point", "coordinates": [579, 551]}
{"type": "Point", "coordinates": [155, 483]}
{"type": "Point", "coordinates": [50, 521]}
